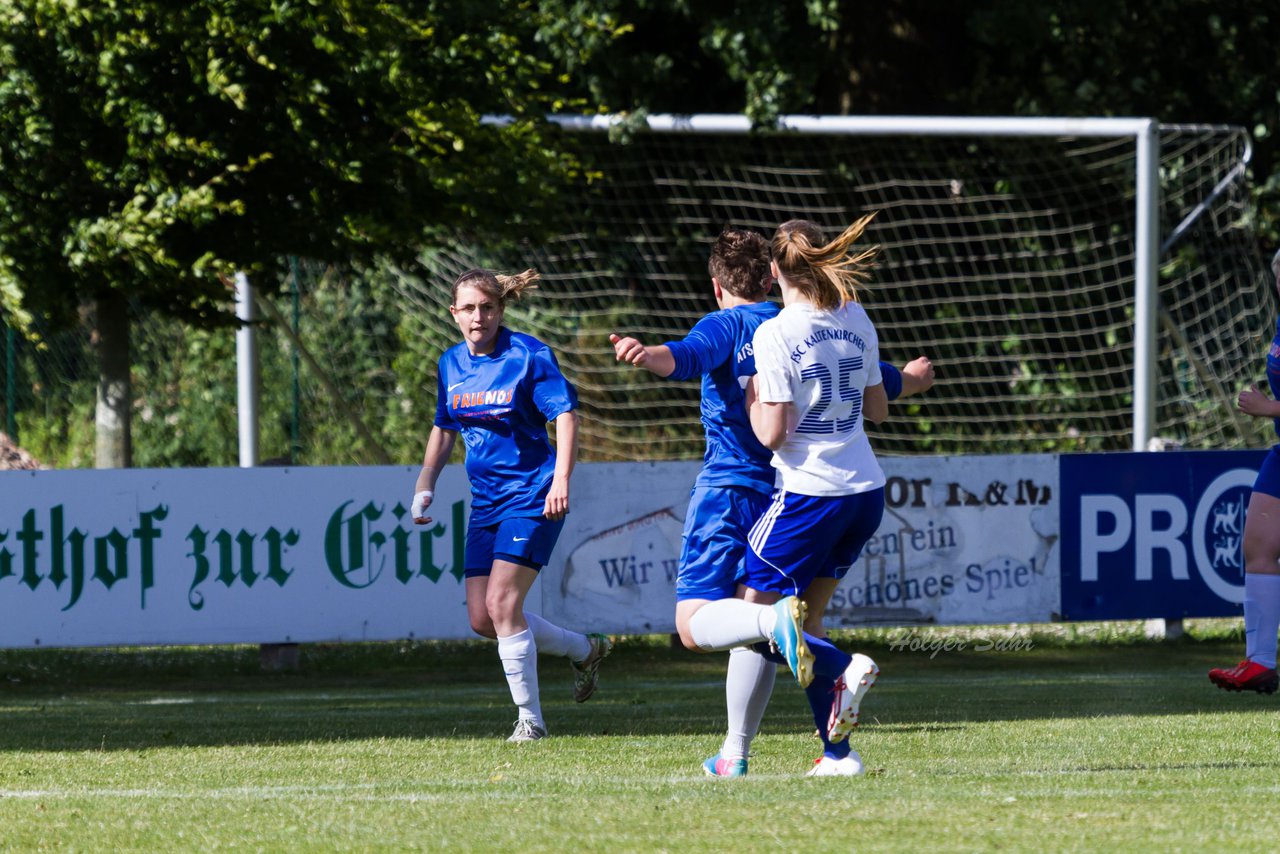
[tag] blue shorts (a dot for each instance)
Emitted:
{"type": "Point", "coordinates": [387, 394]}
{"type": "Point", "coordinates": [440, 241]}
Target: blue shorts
{"type": "Point", "coordinates": [1268, 482]}
{"type": "Point", "coordinates": [715, 540]}
{"type": "Point", "coordinates": [524, 540]}
{"type": "Point", "coordinates": [803, 537]}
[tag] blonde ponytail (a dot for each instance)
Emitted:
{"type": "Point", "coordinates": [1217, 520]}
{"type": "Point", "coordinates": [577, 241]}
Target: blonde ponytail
{"type": "Point", "coordinates": [516, 284]}
{"type": "Point", "coordinates": [500, 286]}
{"type": "Point", "coordinates": [824, 272]}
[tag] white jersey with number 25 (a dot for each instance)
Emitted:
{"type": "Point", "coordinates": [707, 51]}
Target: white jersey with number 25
{"type": "Point", "coordinates": [821, 361]}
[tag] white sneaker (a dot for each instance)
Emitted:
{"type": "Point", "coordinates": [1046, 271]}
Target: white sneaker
{"type": "Point", "coordinates": [850, 688]}
{"type": "Point", "coordinates": [825, 766]}
{"type": "Point", "coordinates": [527, 730]}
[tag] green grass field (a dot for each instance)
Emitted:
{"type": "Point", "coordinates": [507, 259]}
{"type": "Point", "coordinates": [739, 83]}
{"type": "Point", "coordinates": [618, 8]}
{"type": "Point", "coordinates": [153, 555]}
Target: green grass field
{"type": "Point", "coordinates": [1109, 743]}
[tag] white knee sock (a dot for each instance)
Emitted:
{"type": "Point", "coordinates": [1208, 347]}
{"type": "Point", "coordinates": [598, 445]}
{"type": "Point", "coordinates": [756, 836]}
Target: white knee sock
{"type": "Point", "coordinates": [727, 623]}
{"type": "Point", "coordinates": [747, 688]}
{"type": "Point", "coordinates": [553, 640]}
{"type": "Point", "coordinates": [519, 656]}
{"type": "Point", "coordinates": [1261, 617]}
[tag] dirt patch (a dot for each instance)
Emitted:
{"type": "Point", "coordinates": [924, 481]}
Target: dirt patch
{"type": "Point", "coordinates": [13, 457]}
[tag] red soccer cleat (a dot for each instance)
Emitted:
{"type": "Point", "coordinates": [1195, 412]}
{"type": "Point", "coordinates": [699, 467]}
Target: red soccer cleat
{"type": "Point", "coordinates": [1246, 676]}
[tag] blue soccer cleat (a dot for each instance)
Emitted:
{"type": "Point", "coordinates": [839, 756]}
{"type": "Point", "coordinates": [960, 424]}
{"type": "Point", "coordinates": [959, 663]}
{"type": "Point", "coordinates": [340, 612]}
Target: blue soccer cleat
{"type": "Point", "coordinates": [788, 637]}
{"type": "Point", "coordinates": [717, 766]}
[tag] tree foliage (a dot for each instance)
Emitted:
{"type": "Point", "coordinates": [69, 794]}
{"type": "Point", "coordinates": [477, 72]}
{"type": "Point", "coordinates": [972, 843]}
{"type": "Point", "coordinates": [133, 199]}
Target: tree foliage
{"type": "Point", "coordinates": [1179, 61]}
{"type": "Point", "coordinates": [151, 148]}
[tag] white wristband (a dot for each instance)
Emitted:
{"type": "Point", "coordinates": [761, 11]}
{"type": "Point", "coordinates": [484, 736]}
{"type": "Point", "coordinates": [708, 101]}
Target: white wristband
{"type": "Point", "coordinates": [420, 501]}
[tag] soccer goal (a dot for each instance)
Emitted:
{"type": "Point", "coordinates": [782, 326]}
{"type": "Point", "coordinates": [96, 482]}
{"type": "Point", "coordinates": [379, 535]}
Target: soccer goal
{"type": "Point", "coordinates": [1080, 284]}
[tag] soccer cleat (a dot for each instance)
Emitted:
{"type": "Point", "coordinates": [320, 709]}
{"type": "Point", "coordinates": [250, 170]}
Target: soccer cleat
{"type": "Point", "coordinates": [1246, 676]}
{"type": "Point", "coordinates": [717, 766]}
{"type": "Point", "coordinates": [586, 673]}
{"type": "Point", "coordinates": [850, 688]}
{"type": "Point", "coordinates": [825, 766]}
{"type": "Point", "coordinates": [527, 730]}
{"type": "Point", "coordinates": [788, 637]}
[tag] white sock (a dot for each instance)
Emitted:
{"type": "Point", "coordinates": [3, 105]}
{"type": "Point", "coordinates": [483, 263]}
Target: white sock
{"type": "Point", "coordinates": [747, 688]}
{"type": "Point", "coordinates": [553, 640]}
{"type": "Point", "coordinates": [727, 623]}
{"type": "Point", "coordinates": [519, 656]}
{"type": "Point", "coordinates": [1261, 617]}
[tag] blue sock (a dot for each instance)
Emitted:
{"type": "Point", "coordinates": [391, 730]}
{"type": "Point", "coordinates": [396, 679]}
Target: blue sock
{"type": "Point", "coordinates": [828, 660]}
{"type": "Point", "coordinates": [820, 692]}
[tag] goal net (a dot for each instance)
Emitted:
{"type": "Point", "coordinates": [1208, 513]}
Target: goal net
{"type": "Point", "coordinates": [1009, 261]}
{"type": "Point", "coordinates": [1012, 262]}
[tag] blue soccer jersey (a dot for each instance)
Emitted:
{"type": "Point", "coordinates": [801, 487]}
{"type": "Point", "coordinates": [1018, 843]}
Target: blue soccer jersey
{"type": "Point", "coordinates": [501, 404]}
{"type": "Point", "coordinates": [718, 349]}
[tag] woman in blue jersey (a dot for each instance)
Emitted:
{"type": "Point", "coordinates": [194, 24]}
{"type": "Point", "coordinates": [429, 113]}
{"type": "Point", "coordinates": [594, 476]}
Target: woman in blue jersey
{"type": "Point", "coordinates": [499, 389]}
{"type": "Point", "coordinates": [818, 376]}
{"type": "Point", "coordinates": [733, 487]}
{"type": "Point", "coordinates": [1257, 672]}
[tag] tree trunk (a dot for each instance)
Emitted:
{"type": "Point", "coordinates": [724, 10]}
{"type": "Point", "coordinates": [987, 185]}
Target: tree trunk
{"type": "Point", "coordinates": [114, 447]}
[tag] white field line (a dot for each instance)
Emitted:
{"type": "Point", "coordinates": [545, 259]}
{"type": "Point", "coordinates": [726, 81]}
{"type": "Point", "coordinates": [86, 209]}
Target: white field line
{"type": "Point", "coordinates": [497, 791]}
{"type": "Point", "coordinates": [326, 793]}
{"type": "Point", "coordinates": [959, 678]}
{"type": "Point", "coordinates": [327, 697]}
{"type": "Point", "coordinates": [249, 699]}
{"type": "Point", "coordinates": [364, 792]}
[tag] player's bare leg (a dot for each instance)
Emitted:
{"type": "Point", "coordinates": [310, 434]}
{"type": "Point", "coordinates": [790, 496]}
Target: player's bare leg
{"type": "Point", "coordinates": [477, 609]}
{"type": "Point", "coordinates": [1257, 672]}
{"type": "Point", "coordinates": [508, 586]}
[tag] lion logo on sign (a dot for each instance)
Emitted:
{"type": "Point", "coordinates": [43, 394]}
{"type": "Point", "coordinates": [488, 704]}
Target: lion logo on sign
{"type": "Point", "coordinates": [1225, 536]}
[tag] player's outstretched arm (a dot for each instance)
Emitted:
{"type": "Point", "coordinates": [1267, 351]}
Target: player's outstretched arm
{"type": "Point", "coordinates": [1253, 402]}
{"type": "Point", "coordinates": [657, 359]}
{"type": "Point", "coordinates": [917, 377]}
{"type": "Point", "coordinates": [439, 447]}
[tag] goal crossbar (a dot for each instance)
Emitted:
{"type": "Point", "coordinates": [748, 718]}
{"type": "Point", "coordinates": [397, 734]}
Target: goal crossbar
{"type": "Point", "coordinates": [1144, 131]}
{"type": "Point", "coordinates": [729, 123]}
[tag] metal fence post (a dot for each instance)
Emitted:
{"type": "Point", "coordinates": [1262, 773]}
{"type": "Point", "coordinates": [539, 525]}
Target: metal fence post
{"type": "Point", "coordinates": [295, 426]}
{"type": "Point", "coordinates": [10, 381]}
{"type": "Point", "coordinates": [247, 372]}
